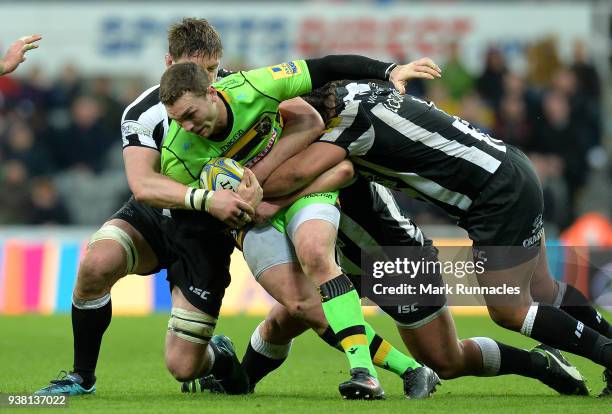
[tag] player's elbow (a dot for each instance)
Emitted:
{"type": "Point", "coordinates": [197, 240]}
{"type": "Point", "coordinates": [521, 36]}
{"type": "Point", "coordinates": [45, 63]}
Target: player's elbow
{"type": "Point", "coordinates": [139, 193]}
{"type": "Point", "coordinates": [315, 124]}
{"type": "Point", "coordinates": [345, 171]}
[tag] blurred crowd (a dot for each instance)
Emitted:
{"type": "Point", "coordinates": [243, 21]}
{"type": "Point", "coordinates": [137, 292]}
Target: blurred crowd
{"type": "Point", "coordinates": [60, 144]}
{"type": "Point", "coordinates": [60, 147]}
{"type": "Point", "coordinates": [553, 112]}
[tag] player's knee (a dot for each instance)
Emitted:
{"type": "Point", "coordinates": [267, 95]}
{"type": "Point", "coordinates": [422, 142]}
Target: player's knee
{"type": "Point", "coordinates": [507, 317]}
{"type": "Point", "coordinates": [297, 308]}
{"type": "Point", "coordinates": [97, 274]}
{"type": "Point", "coordinates": [443, 363]}
{"type": "Point", "coordinates": [182, 368]}
{"type": "Point", "coordinates": [315, 258]}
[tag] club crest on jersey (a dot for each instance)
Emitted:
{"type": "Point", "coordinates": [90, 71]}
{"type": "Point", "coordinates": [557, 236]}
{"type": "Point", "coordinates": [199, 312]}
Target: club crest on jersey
{"type": "Point", "coordinates": [284, 70]}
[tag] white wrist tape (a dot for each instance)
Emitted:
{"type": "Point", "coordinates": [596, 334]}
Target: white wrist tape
{"type": "Point", "coordinates": [208, 200]}
{"type": "Point", "coordinates": [194, 198]}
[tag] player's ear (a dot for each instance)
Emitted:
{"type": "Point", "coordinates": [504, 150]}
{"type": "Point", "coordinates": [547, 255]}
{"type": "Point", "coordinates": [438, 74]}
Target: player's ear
{"type": "Point", "coordinates": [169, 60]}
{"type": "Point", "coordinates": [212, 92]}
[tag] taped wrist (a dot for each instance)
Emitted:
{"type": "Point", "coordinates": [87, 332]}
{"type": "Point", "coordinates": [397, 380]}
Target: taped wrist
{"type": "Point", "coordinates": [208, 200]}
{"type": "Point", "coordinates": [194, 198]}
{"type": "Point", "coordinates": [389, 69]}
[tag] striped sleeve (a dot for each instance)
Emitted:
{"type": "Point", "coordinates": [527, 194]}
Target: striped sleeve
{"type": "Point", "coordinates": [145, 122]}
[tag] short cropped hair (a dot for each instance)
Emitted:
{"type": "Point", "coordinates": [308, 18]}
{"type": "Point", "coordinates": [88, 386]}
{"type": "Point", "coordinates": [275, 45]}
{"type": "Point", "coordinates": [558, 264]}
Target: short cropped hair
{"type": "Point", "coordinates": [181, 78]}
{"type": "Point", "coordinates": [194, 37]}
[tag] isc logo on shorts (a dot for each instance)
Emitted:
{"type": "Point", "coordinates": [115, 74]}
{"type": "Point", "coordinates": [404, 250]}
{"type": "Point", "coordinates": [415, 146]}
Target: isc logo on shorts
{"type": "Point", "coordinates": [200, 292]}
{"type": "Point", "coordinates": [407, 308]}
{"type": "Point", "coordinates": [284, 70]}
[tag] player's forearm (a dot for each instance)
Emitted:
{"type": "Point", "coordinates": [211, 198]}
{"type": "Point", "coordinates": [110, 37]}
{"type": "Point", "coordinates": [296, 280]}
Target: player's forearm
{"type": "Point", "coordinates": [286, 179]}
{"type": "Point", "coordinates": [335, 67]}
{"type": "Point", "coordinates": [303, 126]}
{"type": "Point", "coordinates": [301, 169]}
{"type": "Point", "coordinates": [331, 180]}
{"type": "Point", "coordinates": [159, 191]}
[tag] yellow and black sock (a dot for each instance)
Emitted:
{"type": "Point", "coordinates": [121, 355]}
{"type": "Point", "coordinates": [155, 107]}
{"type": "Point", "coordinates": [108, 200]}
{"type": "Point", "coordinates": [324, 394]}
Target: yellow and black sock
{"type": "Point", "coordinates": [386, 356]}
{"type": "Point", "coordinates": [383, 354]}
{"type": "Point", "coordinates": [342, 309]}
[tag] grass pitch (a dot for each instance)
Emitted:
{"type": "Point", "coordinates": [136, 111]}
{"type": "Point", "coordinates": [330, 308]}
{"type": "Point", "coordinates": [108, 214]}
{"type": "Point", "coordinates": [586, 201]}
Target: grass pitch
{"type": "Point", "coordinates": [132, 377]}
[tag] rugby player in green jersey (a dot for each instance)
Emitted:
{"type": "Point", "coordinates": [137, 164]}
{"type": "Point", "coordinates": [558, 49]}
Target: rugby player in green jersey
{"type": "Point", "coordinates": [238, 117]}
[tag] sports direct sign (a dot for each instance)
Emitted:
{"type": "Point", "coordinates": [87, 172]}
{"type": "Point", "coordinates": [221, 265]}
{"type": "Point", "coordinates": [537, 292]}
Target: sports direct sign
{"type": "Point", "coordinates": [130, 39]}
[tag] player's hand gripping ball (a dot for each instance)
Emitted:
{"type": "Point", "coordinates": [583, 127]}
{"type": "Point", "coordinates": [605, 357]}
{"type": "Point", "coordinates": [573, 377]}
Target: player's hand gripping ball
{"type": "Point", "coordinates": [221, 174]}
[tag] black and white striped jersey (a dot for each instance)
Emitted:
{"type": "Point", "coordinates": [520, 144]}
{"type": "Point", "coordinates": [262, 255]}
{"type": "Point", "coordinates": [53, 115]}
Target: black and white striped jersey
{"type": "Point", "coordinates": [409, 144]}
{"type": "Point", "coordinates": [145, 122]}
{"type": "Point", "coordinates": [371, 218]}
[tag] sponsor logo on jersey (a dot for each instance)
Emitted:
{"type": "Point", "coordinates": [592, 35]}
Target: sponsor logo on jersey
{"type": "Point", "coordinates": [315, 195]}
{"type": "Point", "coordinates": [240, 148]}
{"type": "Point", "coordinates": [134, 127]}
{"type": "Point", "coordinates": [284, 70]}
{"type": "Point", "coordinates": [263, 152]}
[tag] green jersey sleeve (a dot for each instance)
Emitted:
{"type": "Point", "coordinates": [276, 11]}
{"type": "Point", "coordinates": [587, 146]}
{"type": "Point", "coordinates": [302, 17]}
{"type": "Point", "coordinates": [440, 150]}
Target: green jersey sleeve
{"type": "Point", "coordinates": [283, 81]}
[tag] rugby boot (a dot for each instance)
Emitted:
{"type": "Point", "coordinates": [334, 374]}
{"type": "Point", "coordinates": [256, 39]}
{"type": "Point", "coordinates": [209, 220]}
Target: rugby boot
{"type": "Point", "coordinates": [560, 375]}
{"type": "Point", "coordinates": [361, 386]}
{"type": "Point", "coordinates": [420, 382]}
{"type": "Point", "coordinates": [235, 381]}
{"type": "Point", "coordinates": [67, 383]}
{"type": "Point", "coordinates": [203, 384]}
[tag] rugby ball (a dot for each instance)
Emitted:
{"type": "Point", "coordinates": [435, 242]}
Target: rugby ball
{"type": "Point", "coordinates": [221, 174]}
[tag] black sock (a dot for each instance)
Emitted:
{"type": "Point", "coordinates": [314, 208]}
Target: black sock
{"type": "Point", "coordinates": [579, 307]}
{"type": "Point", "coordinates": [521, 362]}
{"type": "Point", "coordinates": [258, 366]}
{"type": "Point", "coordinates": [88, 327]}
{"type": "Point", "coordinates": [556, 328]}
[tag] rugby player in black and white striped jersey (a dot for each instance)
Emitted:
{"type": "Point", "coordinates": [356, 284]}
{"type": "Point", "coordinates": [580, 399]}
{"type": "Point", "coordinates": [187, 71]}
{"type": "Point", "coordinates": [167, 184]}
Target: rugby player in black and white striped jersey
{"type": "Point", "coordinates": [140, 239]}
{"type": "Point", "coordinates": [372, 218]}
{"type": "Point", "coordinates": [490, 187]}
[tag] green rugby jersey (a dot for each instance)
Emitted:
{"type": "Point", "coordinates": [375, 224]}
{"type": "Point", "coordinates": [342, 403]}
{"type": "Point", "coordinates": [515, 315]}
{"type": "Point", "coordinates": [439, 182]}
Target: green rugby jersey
{"type": "Point", "coordinates": [254, 123]}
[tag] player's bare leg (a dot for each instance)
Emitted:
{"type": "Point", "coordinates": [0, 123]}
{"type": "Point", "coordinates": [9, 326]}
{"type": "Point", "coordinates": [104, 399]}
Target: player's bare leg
{"type": "Point", "coordinates": [545, 288]}
{"type": "Point", "coordinates": [270, 343]}
{"type": "Point", "coordinates": [545, 323]}
{"type": "Point", "coordinates": [272, 260]}
{"type": "Point", "coordinates": [287, 284]}
{"type": "Point", "coordinates": [114, 251]}
{"type": "Point", "coordinates": [436, 344]}
{"type": "Point", "coordinates": [193, 352]}
{"type": "Point", "coordinates": [314, 242]}
{"type": "Point", "coordinates": [299, 307]}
